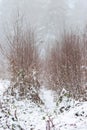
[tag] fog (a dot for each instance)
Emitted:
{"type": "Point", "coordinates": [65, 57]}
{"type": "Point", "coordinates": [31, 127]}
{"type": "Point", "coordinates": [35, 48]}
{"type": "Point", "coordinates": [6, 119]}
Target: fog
{"type": "Point", "coordinates": [49, 17]}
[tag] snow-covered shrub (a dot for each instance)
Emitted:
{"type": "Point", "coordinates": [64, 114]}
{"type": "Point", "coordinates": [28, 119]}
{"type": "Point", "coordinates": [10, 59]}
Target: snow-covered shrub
{"type": "Point", "coordinates": [64, 101]}
{"type": "Point", "coordinates": [26, 87]}
{"type": "Point", "coordinates": [8, 114]}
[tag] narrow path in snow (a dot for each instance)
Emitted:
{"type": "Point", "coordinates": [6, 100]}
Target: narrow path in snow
{"type": "Point", "coordinates": [48, 97]}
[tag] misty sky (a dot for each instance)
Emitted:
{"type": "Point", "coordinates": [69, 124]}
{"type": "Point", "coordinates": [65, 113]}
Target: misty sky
{"type": "Point", "coordinates": [48, 16]}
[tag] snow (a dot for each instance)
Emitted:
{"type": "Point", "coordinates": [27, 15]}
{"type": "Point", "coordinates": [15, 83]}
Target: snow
{"type": "Point", "coordinates": [4, 84]}
{"type": "Point", "coordinates": [71, 3]}
{"type": "Point", "coordinates": [47, 96]}
{"type": "Point", "coordinates": [27, 115]}
{"type": "Point", "coordinates": [71, 122]}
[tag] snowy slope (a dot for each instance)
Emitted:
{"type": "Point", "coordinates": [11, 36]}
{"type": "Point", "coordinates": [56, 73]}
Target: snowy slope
{"type": "Point", "coordinates": [24, 115]}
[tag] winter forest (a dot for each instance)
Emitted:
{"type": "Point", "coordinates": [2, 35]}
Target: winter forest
{"type": "Point", "coordinates": [43, 65]}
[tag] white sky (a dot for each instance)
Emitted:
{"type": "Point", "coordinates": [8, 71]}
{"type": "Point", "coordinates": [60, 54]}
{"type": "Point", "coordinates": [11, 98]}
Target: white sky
{"type": "Point", "coordinates": [47, 15]}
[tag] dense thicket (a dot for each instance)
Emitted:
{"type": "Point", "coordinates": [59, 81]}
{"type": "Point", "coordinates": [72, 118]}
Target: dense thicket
{"type": "Point", "coordinates": [67, 64]}
{"type": "Point", "coordinates": [23, 57]}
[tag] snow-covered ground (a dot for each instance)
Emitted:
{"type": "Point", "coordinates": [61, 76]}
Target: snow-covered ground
{"type": "Point", "coordinates": [25, 115]}
{"type": "Point", "coordinates": [4, 84]}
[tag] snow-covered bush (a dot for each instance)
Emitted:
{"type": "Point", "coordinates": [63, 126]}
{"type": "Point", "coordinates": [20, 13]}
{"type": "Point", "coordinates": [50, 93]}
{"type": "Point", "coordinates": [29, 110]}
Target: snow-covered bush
{"type": "Point", "coordinates": [25, 87]}
{"type": "Point", "coordinates": [65, 101]}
